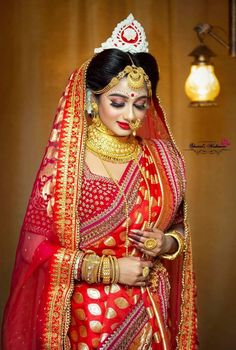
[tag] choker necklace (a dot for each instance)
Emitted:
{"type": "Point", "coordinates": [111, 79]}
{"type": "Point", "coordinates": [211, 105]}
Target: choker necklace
{"type": "Point", "coordinates": [107, 146]}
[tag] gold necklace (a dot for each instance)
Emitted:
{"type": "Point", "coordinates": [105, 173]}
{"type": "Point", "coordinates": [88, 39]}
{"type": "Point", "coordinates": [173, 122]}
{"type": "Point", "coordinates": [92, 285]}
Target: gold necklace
{"type": "Point", "coordinates": [107, 146]}
{"type": "Point", "coordinates": [127, 204]}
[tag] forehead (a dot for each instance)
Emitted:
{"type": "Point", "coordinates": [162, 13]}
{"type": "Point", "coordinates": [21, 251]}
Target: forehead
{"type": "Point", "coordinates": [123, 88]}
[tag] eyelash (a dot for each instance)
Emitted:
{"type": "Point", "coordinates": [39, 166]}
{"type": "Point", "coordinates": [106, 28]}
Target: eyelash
{"type": "Point", "coordinates": [120, 105]}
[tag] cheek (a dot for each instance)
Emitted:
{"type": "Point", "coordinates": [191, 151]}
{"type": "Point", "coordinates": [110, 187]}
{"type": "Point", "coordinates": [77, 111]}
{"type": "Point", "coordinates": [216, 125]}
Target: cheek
{"type": "Point", "coordinates": [107, 112]}
{"type": "Point", "coordinates": [142, 115]}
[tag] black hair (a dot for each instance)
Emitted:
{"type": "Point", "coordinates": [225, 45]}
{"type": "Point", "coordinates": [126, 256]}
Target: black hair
{"type": "Point", "coordinates": [108, 63]}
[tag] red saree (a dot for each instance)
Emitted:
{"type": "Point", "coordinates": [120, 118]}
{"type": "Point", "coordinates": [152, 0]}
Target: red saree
{"type": "Point", "coordinates": [46, 310]}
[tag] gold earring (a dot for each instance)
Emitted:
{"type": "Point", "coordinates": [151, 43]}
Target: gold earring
{"type": "Point", "coordinates": [95, 119]}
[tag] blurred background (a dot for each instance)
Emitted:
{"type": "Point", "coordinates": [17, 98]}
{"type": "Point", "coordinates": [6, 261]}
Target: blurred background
{"type": "Point", "coordinates": [42, 42]}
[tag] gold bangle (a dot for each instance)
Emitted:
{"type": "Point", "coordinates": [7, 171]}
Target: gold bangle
{"type": "Point", "coordinates": [106, 270]}
{"type": "Point", "coordinates": [86, 270]}
{"type": "Point", "coordinates": [78, 264]}
{"type": "Point", "coordinates": [180, 240]}
{"type": "Point", "coordinates": [117, 270]}
{"type": "Point", "coordinates": [94, 261]}
{"type": "Point", "coordinates": [99, 276]}
{"type": "Point", "coordinates": [83, 268]}
{"type": "Point", "coordinates": [112, 265]}
{"type": "Point", "coordinates": [75, 273]}
{"type": "Point", "coordinates": [90, 268]}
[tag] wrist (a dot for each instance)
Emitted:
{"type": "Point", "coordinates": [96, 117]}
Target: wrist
{"type": "Point", "coordinates": [171, 245]}
{"type": "Point", "coordinates": [175, 245]}
{"type": "Point", "coordinates": [96, 269]}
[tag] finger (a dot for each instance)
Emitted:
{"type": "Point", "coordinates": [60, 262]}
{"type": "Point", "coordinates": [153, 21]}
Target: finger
{"type": "Point", "coordinates": [140, 233]}
{"type": "Point", "coordinates": [141, 284]}
{"type": "Point", "coordinates": [152, 253]}
{"type": "Point", "coordinates": [136, 237]}
{"type": "Point", "coordinates": [141, 248]}
{"type": "Point", "coordinates": [147, 263]}
{"type": "Point", "coordinates": [140, 277]}
{"type": "Point", "coordinates": [140, 236]}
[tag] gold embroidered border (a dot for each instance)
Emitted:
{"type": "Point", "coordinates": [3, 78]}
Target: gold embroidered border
{"type": "Point", "coordinates": [59, 293]}
{"type": "Point", "coordinates": [187, 334]}
{"type": "Point", "coordinates": [67, 192]}
{"type": "Point", "coordinates": [186, 338]}
{"type": "Point", "coordinates": [70, 164]}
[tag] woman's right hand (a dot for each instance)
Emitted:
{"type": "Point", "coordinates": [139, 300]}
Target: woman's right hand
{"type": "Point", "coordinates": [131, 271]}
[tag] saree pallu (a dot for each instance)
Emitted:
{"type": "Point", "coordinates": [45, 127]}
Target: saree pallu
{"type": "Point", "coordinates": [38, 313]}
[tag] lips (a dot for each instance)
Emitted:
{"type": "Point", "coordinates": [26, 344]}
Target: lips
{"type": "Point", "coordinates": [124, 126]}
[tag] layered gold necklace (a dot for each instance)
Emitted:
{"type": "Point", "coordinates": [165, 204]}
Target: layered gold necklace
{"type": "Point", "coordinates": [112, 148]}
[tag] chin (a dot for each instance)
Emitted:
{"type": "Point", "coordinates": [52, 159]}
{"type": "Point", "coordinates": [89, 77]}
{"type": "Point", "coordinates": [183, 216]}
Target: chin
{"type": "Point", "coordinates": [123, 133]}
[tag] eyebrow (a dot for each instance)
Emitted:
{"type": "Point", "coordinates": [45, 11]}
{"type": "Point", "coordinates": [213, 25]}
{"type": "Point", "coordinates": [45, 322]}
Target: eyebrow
{"type": "Point", "coordinates": [126, 97]}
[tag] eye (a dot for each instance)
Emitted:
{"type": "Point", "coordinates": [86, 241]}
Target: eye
{"type": "Point", "coordinates": [142, 106]}
{"type": "Point", "coordinates": [117, 105]}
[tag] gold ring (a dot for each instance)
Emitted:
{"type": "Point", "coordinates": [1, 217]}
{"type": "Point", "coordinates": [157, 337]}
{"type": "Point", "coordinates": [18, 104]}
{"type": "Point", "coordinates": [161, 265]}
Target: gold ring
{"type": "Point", "coordinates": [150, 243]}
{"type": "Point", "coordinates": [145, 271]}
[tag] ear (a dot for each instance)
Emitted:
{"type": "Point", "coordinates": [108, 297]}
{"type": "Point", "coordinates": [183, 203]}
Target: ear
{"type": "Point", "coordinates": [94, 98]}
{"type": "Point", "coordinates": [89, 100]}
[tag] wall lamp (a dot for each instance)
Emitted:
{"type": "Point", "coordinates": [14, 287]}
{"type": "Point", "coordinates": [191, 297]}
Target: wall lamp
{"type": "Point", "coordinates": [202, 86]}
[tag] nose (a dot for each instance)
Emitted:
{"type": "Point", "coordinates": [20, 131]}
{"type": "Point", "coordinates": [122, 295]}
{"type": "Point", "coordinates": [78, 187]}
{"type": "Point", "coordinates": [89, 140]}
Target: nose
{"type": "Point", "coordinates": [129, 114]}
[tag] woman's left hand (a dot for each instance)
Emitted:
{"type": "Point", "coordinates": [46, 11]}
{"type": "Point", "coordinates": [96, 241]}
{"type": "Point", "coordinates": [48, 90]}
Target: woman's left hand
{"type": "Point", "coordinates": [164, 244]}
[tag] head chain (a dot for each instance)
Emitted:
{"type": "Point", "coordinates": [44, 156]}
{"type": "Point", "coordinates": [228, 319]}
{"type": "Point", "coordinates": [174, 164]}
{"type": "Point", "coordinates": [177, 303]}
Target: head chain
{"type": "Point", "coordinates": [136, 77]}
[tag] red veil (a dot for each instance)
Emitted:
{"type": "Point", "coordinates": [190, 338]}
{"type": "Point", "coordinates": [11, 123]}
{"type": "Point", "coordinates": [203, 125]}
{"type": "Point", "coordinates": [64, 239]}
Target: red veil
{"type": "Point", "coordinates": [37, 315]}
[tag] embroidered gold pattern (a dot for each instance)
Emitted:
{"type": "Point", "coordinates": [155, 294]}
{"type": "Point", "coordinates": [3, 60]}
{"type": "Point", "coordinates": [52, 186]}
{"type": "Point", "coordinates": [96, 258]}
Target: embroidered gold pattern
{"type": "Point", "coordinates": [70, 166]}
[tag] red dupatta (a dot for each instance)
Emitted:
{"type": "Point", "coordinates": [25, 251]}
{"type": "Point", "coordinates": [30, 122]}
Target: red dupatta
{"type": "Point", "coordinates": [37, 315]}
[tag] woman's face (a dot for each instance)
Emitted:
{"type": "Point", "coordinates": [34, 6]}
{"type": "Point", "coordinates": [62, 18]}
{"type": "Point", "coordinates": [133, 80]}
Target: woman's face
{"type": "Point", "coordinates": [121, 105]}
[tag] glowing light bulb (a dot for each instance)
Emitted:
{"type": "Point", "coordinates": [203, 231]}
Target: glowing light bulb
{"type": "Point", "coordinates": [202, 84]}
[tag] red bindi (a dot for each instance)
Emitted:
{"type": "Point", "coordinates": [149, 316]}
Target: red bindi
{"type": "Point", "coordinates": [132, 94]}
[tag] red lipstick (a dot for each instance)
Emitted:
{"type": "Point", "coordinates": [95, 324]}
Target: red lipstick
{"type": "Point", "coordinates": [124, 126]}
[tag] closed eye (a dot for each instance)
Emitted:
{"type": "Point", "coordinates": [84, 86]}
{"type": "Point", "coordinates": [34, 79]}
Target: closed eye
{"type": "Point", "coordinates": [141, 107]}
{"type": "Point", "coordinates": [117, 105]}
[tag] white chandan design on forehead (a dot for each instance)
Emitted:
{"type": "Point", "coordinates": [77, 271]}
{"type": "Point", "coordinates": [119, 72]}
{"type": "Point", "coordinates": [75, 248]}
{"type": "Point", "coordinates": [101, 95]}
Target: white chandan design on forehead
{"type": "Point", "coordinates": [128, 36]}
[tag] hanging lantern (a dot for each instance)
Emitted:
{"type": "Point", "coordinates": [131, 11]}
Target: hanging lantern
{"type": "Point", "coordinates": [202, 85]}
